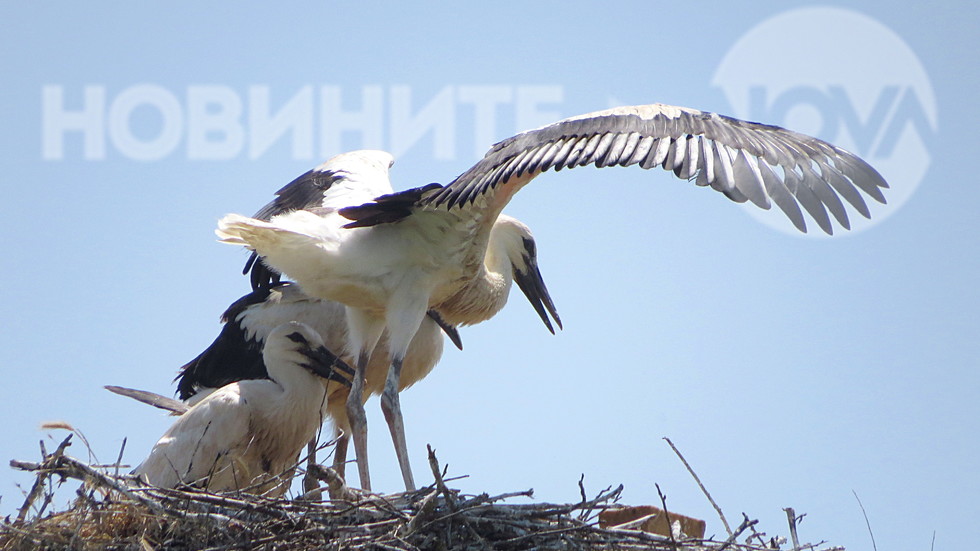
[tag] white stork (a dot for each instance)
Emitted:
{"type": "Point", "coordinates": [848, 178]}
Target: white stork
{"type": "Point", "coordinates": [392, 257]}
{"type": "Point", "coordinates": [248, 435]}
{"type": "Point", "coordinates": [236, 354]}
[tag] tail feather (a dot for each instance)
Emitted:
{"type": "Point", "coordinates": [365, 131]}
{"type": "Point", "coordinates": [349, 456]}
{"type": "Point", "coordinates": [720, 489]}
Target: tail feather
{"type": "Point", "coordinates": [236, 229]}
{"type": "Point", "coordinates": [175, 407]}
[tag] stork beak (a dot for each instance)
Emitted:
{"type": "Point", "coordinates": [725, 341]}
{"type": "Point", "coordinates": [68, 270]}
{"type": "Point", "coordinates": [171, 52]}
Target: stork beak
{"type": "Point", "coordinates": [447, 328]}
{"type": "Point", "coordinates": [324, 363]}
{"type": "Point", "coordinates": [531, 283]}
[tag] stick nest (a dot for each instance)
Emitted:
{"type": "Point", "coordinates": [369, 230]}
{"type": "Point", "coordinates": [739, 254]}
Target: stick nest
{"type": "Point", "coordinates": [114, 511]}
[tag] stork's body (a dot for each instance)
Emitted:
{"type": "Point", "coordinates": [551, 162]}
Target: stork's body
{"type": "Point", "coordinates": [430, 247]}
{"type": "Point", "coordinates": [247, 435]}
{"type": "Point", "coordinates": [235, 354]}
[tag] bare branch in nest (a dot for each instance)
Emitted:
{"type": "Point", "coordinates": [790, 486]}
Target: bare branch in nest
{"type": "Point", "coordinates": [38, 486]}
{"type": "Point", "coordinates": [437, 474]}
{"type": "Point", "coordinates": [792, 518]}
{"type": "Point", "coordinates": [122, 449]}
{"type": "Point", "coordinates": [663, 501]}
{"type": "Point", "coordinates": [866, 521]}
{"type": "Point", "coordinates": [425, 514]}
{"type": "Point", "coordinates": [704, 490]}
{"type": "Point", "coordinates": [746, 523]}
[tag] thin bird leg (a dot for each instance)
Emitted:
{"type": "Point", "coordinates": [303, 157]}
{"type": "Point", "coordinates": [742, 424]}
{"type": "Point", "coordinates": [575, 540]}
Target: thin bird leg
{"type": "Point", "coordinates": [391, 406]}
{"type": "Point", "coordinates": [358, 420]}
{"type": "Point", "coordinates": [403, 317]}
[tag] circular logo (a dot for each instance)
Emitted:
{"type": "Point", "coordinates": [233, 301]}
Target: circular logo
{"type": "Point", "coordinates": [845, 78]}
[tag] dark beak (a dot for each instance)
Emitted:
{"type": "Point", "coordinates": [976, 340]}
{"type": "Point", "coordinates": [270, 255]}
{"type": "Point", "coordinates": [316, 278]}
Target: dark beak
{"type": "Point", "coordinates": [533, 286]}
{"type": "Point", "coordinates": [325, 364]}
{"type": "Point", "coordinates": [449, 330]}
{"type": "Point", "coordinates": [261, 276]}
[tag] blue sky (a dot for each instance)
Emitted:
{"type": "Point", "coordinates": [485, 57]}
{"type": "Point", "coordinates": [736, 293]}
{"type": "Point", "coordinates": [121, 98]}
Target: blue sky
{"type": "Point", "coordinates": [790, 370]}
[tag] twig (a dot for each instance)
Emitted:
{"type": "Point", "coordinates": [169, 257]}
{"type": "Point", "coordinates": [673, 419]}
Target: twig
{"type": "Point", "coordinates": [791, 517]}
{"type": "Point", "coordinates": [761, 537]}
{"type": "Point", "coordinates": [545, 533]}
{"type": "Point", "coordinates": [670, 525]}
{"type": "Point", "coordinates": [566, 509]}
{"type": "Point", "coordinates": [746, 523]}
{"type": "Point", "coordinates": [700, 485]}
{"type": "Point", "coordinates": [41, 477]}
{"type": "Point", "coordinates": [440, 483]}
{"type": "Point", "coordinates": [122, 449]}
{"type": "Point", "coordinates": [866, 521]}
{"type": "Point", "coordinates": [426, 511]}
{"type": "Point", "coordinates": [508, 495]}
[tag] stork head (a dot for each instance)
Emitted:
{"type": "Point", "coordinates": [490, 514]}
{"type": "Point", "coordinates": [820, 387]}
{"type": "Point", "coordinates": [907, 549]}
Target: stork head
{"type": "Point", "coordinates": [512, 238]}
{"type": "Point", "coordinates": [297, 343]}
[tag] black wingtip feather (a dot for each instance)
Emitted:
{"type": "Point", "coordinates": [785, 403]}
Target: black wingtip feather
{"type": "Point", "coordinates": [386, 208]}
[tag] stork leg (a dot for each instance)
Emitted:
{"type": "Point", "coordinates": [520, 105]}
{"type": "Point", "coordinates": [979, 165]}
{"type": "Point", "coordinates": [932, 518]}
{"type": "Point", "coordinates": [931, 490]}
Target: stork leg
{"type": "Point", "coordinates": [358, 421]}
{"type": "Point", "coordinates": [364, 330]}
{"type": "Point", "coordinates": [391, 406]}
{"type": "Point", "coordinates": [403, 317]}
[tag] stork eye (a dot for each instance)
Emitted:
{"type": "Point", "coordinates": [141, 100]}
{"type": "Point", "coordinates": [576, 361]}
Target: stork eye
{"type": "Point", "coordinates": [297, 337]}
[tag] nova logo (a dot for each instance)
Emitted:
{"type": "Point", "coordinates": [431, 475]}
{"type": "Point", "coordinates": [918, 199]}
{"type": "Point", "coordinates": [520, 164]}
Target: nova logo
{"type": "Point", "coordinates": [845, 78]}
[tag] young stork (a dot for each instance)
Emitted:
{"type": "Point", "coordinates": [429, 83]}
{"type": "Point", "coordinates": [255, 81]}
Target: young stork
{"type": "Point", "coordinates": [392, 258]}
{"type": "Point", "coordinates": [248, 435]}
{"type": "Point", "coordinates": [236, 353]}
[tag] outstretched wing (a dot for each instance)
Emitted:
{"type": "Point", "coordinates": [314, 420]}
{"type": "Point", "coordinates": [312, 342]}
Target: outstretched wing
{"type": "Point", "coordinates": [746, 161]}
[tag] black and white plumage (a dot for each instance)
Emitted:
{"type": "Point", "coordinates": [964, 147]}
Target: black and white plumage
{"type": "Point", "coordinates": [392, 257]}
{"type": "Point", "coordinates": [236, 353]}
{"type": "Point", "coordinates": [760, 163]}
{"type": "Point", "coordinates": [248, 435]}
